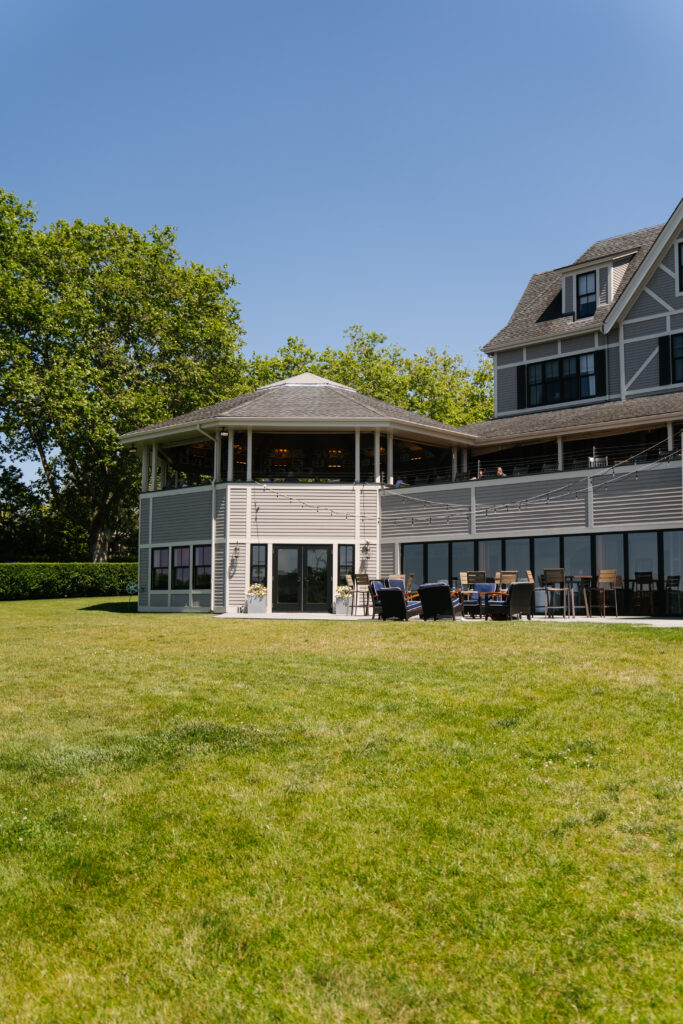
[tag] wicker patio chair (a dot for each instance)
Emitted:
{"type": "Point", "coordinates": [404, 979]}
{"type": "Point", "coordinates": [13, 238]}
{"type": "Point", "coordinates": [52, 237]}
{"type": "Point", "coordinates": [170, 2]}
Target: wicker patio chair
{"type": "Point", "coordinates": [395, 606]}
{"type": "Point", "coordinates": [517, 602]}
{"type": "Point", "coordinates": [437, 602]}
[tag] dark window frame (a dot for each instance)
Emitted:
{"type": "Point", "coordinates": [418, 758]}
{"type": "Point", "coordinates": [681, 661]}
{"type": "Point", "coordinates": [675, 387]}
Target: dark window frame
{"type": "Point", "coordinates": [562, 379]}
{"type": "Point", "coordinates": [258, 564]}
{"type": "Point", "coordinates": [200, 567]}
{"type": "Point", "coordinates": [347, 564]}
{"type": "Point", "coordinates": [677, 358]}
{"type": "Point", "coordinates": [175, 585]}
{"type": "Point", "coordinates": [586, 301]}
{"type": "Point", "coordinates": [158, 571]}
{"type": "Point", "coordinates": [680, 266]}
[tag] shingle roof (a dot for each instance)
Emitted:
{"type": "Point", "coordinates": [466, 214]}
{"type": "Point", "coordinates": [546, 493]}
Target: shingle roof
{"type": "Point", "coordinates": [294, 401]}
{"type": "Point", "coordinates": [602, 414]}
{"type": "Point", "coordinates": [536, 316]}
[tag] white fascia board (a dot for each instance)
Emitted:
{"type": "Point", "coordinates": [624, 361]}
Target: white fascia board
{"type": "Point", "coordinates": [655, 254]}
{"type": "Point", "coordinates": [448, 434]}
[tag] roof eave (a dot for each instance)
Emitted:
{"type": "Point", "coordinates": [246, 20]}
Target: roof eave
{"type": "Point", "coordinates": [554, 432]}
{"type": "Point", "coordinates": [654, 255]}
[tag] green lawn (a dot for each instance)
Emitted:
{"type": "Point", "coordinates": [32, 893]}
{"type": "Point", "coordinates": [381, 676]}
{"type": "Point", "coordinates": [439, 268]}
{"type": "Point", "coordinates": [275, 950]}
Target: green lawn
{"type": "Point", "coordinates": [208, 820]}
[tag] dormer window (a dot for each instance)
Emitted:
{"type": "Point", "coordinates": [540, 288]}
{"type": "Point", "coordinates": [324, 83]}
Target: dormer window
{"type": "Point", "coordinates": [586, 295]}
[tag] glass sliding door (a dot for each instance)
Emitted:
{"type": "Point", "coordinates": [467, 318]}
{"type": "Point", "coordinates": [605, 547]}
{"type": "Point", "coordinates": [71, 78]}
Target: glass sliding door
{"type": "Point", "coordinates": [286, 578]}
{"type": "Point", "coordinates": [317, 580]}
{"type": "Point", "coordinates": [518, 555]}
{"type": "Point", "coordinates": [302, 578]}
{"type": "Point", "coordinates": [546, 556]}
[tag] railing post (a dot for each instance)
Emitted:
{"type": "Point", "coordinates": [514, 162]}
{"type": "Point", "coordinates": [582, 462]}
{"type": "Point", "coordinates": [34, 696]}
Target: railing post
{"type": "Point", "coordinates": [560, 455]}
{"type": "Point", "coordinates": [231, 456]}
{"type": "Point", "coordinates": [390, 459]}
{"type": "Point", "coordinates": [250, 445]}
{"type": "Point", "coordinates": [357, 457]}
{"type": "Point", "coordinates": [378, 478]}
{"type": "Point", "coordinates": [155, 449]}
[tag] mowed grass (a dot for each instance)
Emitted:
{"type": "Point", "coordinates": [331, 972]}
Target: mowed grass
{"type": "Point", "coordinates": [208, 820]}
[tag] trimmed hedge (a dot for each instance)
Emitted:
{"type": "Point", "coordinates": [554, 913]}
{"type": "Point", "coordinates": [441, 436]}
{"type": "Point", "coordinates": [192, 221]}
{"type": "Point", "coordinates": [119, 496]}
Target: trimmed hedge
{"type": "Point", "coordinates": [22, 580]}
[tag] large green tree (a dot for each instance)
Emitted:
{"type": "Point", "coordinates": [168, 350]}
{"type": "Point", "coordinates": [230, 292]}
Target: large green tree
{"type": "Point", "coordinates": [103, 329]}
{"type": "Point", "coordinates": [433, 383]}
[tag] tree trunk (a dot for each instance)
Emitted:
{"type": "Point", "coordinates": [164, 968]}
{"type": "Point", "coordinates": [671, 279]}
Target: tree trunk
{"type": "Point", "coordinates": [99, 542]}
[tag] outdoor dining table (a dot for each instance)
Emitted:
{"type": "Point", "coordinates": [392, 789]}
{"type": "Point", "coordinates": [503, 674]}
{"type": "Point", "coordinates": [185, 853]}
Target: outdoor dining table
{"type": "Point", "coordinates": [583, 583]}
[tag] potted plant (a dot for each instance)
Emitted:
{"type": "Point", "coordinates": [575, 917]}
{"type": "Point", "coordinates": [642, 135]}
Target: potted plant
{"type": "Point", "coordinates": [257, 596]}
{"type": "Point", "coordinates": [343, 600]}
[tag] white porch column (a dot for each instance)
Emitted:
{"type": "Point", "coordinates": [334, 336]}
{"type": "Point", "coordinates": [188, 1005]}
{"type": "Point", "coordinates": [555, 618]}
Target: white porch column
{"type": "Point", "coordinates": [249, 452]}
{"type": "Point", "coordinates": [378, 478]}
{"type": "Point", "coordinates": [155, 455]}
{"type": "Point", "coordinates": [145, 468]}
{"type": "Point", "coordinates": [390, 459]}
{"type": "Point", "coordinates": [560, 454]}
{"type": "Point", "coordinates": [357, 453]}
{"type": "Point", "coordinates": [231, 455]}
{"type": "Point", "coordinates": [217, 451]}
{"type": "Point", "coordinates": [454, 463]}
{"type": "Point", "coordinates": [670, 436]}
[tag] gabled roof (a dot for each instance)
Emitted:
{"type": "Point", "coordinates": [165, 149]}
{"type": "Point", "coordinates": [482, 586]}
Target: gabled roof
{"type": "Point", "coordinates": [305, 400]}
{"type": "Point", "coordinates": [538, 315]}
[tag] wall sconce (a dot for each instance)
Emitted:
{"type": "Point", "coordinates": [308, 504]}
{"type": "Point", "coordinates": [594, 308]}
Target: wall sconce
{"type": "Point", "coordinates": [366, 548]}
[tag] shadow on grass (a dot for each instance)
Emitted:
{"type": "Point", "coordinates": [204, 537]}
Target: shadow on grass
{"type": "Point", "coordinates": [112, 606]}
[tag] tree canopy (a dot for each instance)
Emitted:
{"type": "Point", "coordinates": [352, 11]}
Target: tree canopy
{"type": "Point", "coordinates": [104, 329]}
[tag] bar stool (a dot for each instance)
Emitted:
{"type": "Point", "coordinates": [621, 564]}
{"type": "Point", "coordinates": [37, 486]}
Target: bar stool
{"type": "Point", "coordinates": [643, 591]}
{"type": "Point", "coordinates": [554, 583]}
{"type": "Point", "coordinates": [361, 592]}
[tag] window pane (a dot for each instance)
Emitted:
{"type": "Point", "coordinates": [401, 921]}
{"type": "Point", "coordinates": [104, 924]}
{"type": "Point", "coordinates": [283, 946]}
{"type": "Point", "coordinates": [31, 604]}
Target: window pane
{"type": "Point", "coordinates": [462, 556]}
{"type": "Point", "coordinates": [437, 562]}
{"type": "Point", "coordinates": [577, 556]}
{"type": "Point", "coordinates": [180, 577]}
{"type": "Point", "coordinates": [258, 572]}
{"type": "Point", "coordinates": [202, 567]}
{"type": "Point", "coordinates": [587, 363]}
{"type": "Point", "coordinates": [413, 559]}
{"type": "Point", "coordinates": [518, 555]}
{"type": "Point", "coordinates": [642, 554]}
{"type": "Point", "coordinates": [490, 556]}
{"type": "Point", "coordinates": [673, 571]}
{"type": "Point", "coordinates": [609, 552]}
{"type": "Point", "coordinates": [546, 556]}
{"type": "Point", "coordinates": [159, 568]}
{"type": "Point", "coordinates": [345, 567]}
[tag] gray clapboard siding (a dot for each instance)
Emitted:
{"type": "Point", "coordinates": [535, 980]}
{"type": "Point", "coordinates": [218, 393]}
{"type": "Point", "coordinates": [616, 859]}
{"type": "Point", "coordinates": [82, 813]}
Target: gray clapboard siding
{"type": "Point", "coordinates": [180, 600]}
{"type": "Point", "coordinates": [563, 510]}
{"type": "Point", "coordinates": [612, 364]}
{"type": "Point", "coordinates": [221, 512]}
{"type": "Point", "coordinates": [568, 294]}
{"type": "Point", "coordinates": [369, 511]}
{"type": "Point", "coordinates": [445, 513]}
{"type": "Point", "coordinates": [603, 282]}
{"type": "Point", "coordinates": [546, 350]}
{"type": "Point", "coordinates": [506, 389]}
{"type": "Point", "coordinates": [645, 305]}
{"type": "Point", "coordinates": [668, 260]}
{"type": "Point", "coordinates": [237, 574]}
{"type": "Point", "coordinates": [387, 559]}
{"type": "Point", "coordinates": [143, 577]}
{"type": "Point", "coordinates": [219, 576]}
{"type": "Point", "coordinates": [619, 268]}
{"type": "Point", "coordinates": [571, 346]}
{"type": "Point", "coordinates": [181, 515]}
{"type": "Point", "coordinates": [645, 329]}
{"type": "Point", "coordinates": [158, 600]}
{"type": "Point", "coordinates": [664, 286]}
{"type": "Point", "coordinates": [509, 358]}
{"type": "Point", "coordinates": [298, 512]}
{"type": "Point", "coordinates": [202, 601]}
{"type": "Point", "coordinates": [676, 321]}
{"type": "Point", "coordinates": [237, 511]}
{"type": "Point", "coordinates": [144, 520]}
{"type": "Point", "coordinates": [635, 356]}
{"type": "Point", "coordinates": [653, 495]}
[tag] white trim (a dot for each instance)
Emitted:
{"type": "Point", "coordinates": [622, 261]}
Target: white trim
{"type": "Point", "coordinates": [654, 256]}
{"type": "Point", "coordinates": [155, 457]}
{"type": "Point", "coordinates": [659, 299]}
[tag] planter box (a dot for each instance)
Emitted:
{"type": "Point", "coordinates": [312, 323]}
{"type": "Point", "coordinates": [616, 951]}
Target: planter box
{"type": "Point", "coordinates": [256, 605]}
{"type": "Point", "coordinates": [342, 606]}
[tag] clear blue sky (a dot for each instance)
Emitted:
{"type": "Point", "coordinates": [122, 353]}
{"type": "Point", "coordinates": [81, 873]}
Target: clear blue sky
{"type": "Point", "coordinates": [403, 166]}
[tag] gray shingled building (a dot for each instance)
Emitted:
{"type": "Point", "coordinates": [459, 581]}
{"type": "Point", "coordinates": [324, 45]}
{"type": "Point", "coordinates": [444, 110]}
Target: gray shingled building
{"type": "Point", "coordinates": [305, 481]}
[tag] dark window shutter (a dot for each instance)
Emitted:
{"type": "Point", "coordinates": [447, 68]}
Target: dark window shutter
{"type": "Point", "coordinates": [521, 387]}
{"type": "Point", "coordinates": [600, 372]}
{"type": "Point", "coordinates": [665, 360]}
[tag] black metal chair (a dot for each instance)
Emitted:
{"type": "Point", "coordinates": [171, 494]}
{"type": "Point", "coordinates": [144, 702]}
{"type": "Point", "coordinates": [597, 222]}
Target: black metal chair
{"type": "Point", "coordinates": [517, 602]}
{"type": "Point", "coordinates": [437, 602]}
{"type": "Point", "coordinates": [395, 606]}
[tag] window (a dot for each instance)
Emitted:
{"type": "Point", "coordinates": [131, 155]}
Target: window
{"type": "Point", "coordinates": [259, 565]}
{"type": "Point", "coordinates": [677, 358]}
{"type": "Point", "coordinates": [180, 573]}
{"type": "Point", "coordinates": [345, 562]}
{"type": "Point", "coordinates": [159, 568]}
{"type": "Point", "coordinates": [586, 296]}
{"type": "Point", "coordinates": [562, 380]}
{"type": "Point", "coordinates": [680, 266]}
{"type": "Point", "coordinates": [202, 567]}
